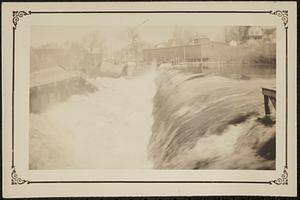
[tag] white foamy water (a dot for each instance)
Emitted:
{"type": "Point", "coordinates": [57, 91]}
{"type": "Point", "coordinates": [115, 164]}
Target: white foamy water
{"type": "Point", "coordinates": [109, 129]}
{"type": "Point", "coordinates": [208, 122]}
{"type": "Point", "coordinates": [211, 122]}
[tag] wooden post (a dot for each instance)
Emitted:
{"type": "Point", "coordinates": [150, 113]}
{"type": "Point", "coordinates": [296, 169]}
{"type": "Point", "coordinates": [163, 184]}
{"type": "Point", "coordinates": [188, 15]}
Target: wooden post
{"type": "Point", "coordinates": [267, 108]}
{"type": "Point", "coordinates": [273, 100]}
{"type": "Point", "coordinates": [269, 94]}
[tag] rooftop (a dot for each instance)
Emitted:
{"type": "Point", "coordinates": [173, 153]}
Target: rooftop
{"type": "Point", "coordinates": [49, 75]}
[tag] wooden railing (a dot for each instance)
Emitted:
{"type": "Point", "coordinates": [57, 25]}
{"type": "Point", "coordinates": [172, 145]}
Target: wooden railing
{"type": "Point", "coordinates": [269, 94]}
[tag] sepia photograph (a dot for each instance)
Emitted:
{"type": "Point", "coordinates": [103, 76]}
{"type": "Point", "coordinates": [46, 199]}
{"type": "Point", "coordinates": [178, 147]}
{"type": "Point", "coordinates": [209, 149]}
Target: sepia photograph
{"type": "Point", "coordinates": [152, 94]}
{"type": "Point", "coordinates": [119, 99]}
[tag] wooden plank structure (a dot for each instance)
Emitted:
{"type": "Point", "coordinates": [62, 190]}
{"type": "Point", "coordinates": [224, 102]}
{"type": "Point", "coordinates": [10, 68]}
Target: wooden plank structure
{"type": "Point", "coordinates": [269, 93]}
{"type": "Point", "coordinates": [53, 85]}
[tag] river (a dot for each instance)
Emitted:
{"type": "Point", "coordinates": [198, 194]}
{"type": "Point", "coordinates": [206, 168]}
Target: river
{"type": "Point", "coordinates": [166, 120]}
{"type": "Point", "coordinates": [211, 121]}
{"type": "Point", "coordinates": [109, 129]}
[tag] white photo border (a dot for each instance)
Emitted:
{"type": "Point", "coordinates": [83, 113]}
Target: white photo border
{"type": "Point", "coordinates": [18, 15]}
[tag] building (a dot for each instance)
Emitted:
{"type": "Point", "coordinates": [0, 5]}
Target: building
{"type": "Point", "coordinates": [42, 58]}
{"type": "Point", "coordinates": [269, 35]}
{"type": "Point", "coordinates": [70, 59]}
{"type": "Point", "coordinates": [213, 52]}
{"type": "Point", "coordinates": [255, 32]}
{"type": "Point", "coordinates": [54, 84]}
{"type": "Point", "coordinates": [204, 50]}
{"type": "Point", "coordinates": [236, 33]}
{"type": "Point", "coordinates": [55, 75]}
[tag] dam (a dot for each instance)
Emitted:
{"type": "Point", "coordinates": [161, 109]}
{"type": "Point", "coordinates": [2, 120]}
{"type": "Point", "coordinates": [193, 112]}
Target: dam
{"type": "Point", "coordinates": [189, 102]}
{"type": "Point", "coordinates": [162, 119]}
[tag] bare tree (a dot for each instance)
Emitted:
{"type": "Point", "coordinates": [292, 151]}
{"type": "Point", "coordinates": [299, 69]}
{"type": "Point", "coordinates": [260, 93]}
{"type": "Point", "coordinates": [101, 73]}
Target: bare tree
{"type": "Point", "coordinates": [135, 45]}
{"type": "Point", "coordinates": [93, 41]}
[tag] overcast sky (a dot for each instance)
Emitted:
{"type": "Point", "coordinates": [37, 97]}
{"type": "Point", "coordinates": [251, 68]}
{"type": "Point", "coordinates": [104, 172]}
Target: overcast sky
{"type": "Point", "coordinates": [151, 28]}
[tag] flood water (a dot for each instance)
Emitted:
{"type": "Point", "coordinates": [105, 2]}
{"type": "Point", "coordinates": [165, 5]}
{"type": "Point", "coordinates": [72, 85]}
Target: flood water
{"type": "Point", "coordinates": [109, 129]}
{"type": "Point", "coordinates": [160, 120]}
{"type": "Point", "coordinates": [211, 122]}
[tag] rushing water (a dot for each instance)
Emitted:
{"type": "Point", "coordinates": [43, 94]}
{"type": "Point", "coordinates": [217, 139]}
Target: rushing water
{"type": "Point", "coordinates": [108, 129]}
{"type": "Point", "coordinates": [211, 122]}
{"type": "Point", "coordinates": [173, 120]}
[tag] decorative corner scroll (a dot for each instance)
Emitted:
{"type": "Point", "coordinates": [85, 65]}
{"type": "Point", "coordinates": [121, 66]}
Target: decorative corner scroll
{"type": "Point", "coordinates": [283, 14]}
{"type": "Point", "coordinates": [15, 179]}
{"type": "Point", "coordinates": [17, 15]}
{"type": "Point", "coordinates": [283, 180]}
